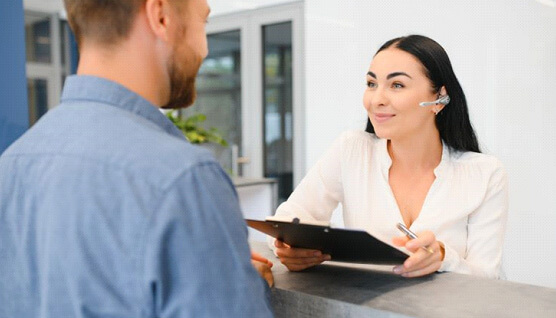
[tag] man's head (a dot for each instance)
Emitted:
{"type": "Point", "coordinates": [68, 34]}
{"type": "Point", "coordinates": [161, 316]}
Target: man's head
{"type": "Point", "coordinates": [106, 22]}
{"type": "Point", "coordinates": [167, 35]}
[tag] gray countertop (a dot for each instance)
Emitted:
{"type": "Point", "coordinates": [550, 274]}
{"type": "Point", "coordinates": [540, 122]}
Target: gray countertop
{"type": "Point", "coordinates": [332, 290]}
{"type": "Point", "coordinates": [244, 182]}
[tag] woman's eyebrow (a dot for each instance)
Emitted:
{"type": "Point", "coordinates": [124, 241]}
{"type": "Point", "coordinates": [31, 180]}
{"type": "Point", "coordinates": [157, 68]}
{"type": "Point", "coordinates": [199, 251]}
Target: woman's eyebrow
{"type": "Point", "coordinates": [373, 75]}
{"type": "Point", "coordinates": [397, 74]}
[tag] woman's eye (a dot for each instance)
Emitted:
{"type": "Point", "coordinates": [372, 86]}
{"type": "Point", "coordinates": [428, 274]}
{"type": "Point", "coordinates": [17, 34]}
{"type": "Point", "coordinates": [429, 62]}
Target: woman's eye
{"type": "Point", "coordinates": [397, 85]}
{"type": "Point", "coordinates": [371, 84]}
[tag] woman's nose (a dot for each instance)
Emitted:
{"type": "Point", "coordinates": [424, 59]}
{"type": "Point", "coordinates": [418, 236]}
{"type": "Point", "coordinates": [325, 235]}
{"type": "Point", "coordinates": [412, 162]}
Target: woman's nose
{"type": "Point", "coordinates": [375, 98]}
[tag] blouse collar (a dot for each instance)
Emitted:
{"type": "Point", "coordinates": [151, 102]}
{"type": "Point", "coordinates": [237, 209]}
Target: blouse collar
{"type": "Point", "coordinates": [386, 161]}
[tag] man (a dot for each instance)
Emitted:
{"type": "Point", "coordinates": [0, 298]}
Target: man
{"type": "Point", "coordinates": [105, 209]}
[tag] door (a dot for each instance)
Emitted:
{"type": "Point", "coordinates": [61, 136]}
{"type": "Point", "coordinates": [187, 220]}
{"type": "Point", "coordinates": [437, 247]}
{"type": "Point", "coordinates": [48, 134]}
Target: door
{"type": "Point", "coordinates": [250, 89]}
{"type": "Point", "coordinates": [47, 61]}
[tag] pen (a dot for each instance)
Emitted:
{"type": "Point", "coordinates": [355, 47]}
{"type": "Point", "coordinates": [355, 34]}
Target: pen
{"type": "Point", "coordinates": [412, 236]}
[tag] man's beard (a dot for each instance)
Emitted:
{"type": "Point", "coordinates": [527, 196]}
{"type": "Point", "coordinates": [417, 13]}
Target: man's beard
{"type": "Point", "coordinates": [182, 85]}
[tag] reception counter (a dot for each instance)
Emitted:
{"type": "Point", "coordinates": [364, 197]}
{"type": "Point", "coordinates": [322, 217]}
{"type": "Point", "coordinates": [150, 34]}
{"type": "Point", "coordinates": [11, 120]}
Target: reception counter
{"type": "Point", "coordinates": [339, 290]}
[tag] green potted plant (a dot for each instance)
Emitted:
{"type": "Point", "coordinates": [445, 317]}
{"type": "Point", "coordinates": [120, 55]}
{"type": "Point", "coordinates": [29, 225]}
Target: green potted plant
{"type": "Point", "coordinates": [193, 130]}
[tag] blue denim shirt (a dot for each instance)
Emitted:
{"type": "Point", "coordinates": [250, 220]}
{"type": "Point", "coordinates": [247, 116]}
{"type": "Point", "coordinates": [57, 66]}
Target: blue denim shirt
{"type": "Point", "coordinates": [107, 211]}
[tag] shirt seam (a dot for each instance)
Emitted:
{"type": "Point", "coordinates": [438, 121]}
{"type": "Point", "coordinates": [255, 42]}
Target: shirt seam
{"type": "Point", "coordinates": [81, 99]}
{"type": "Point", "coordinates": [160, 126]}
{"type": "Point", "coordinates": [113, 164]}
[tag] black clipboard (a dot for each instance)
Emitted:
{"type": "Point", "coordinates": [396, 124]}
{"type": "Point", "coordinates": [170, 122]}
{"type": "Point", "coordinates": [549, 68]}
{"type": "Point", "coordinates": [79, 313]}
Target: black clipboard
{"type": "Point", "coordinates": [343, 245]}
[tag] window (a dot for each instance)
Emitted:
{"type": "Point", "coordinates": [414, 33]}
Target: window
{"type": "Point", "coordinates": [219, 94]}
{"type": "Point", "coordinates": [47, 40]}
{"type": "Point", "coordinates": [278, 112]}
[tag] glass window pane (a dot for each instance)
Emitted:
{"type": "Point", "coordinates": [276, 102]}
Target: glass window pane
{"type": "Point", "coordinates": [219, 93]}
{"type": "Point", "coordinates": [63, 42]}
{"type": "Point", "coordinates": [278, 100]}
{"type": "Point", "coordinates": [37, 38]}
{"type": "Point", "coordinates": [37, 94]}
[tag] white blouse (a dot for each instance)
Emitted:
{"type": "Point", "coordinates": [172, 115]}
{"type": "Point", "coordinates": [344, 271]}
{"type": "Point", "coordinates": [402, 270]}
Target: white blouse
{"type": "Point", "coordinates": [466, 206]}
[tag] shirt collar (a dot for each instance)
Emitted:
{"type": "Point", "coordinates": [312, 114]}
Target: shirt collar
{"type": "Point", "coordinates": [444, 162]}
{"type": "Point", "coordinates": [386, 161]}
{"type": "Point", "coordinates": [96, 89]}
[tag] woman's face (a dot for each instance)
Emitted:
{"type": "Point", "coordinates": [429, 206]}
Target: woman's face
{"type": "Point", "coordinates": [396, 84]}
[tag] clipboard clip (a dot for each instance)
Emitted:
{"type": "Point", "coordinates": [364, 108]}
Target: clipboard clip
{"type": "Point", "coordinates": [296, 220]}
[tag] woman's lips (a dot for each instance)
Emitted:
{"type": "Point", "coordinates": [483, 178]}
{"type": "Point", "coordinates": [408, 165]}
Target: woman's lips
{"type": "Point", "coordinates": [381, 118]}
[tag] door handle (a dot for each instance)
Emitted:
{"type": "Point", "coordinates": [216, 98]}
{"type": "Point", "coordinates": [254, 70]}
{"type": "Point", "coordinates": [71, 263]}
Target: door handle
{"type": "Point", "coordinates": [237, 160]}
{"type": "Point", "coordinates": [243, 160]}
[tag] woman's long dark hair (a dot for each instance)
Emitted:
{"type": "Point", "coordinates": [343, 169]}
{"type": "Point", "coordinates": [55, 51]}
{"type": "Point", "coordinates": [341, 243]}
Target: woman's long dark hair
{"type": "Point", "coordinates": [453, 121]}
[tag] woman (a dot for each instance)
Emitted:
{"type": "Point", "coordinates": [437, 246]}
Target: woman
{"type": "Point", "coordinates": [415, 164]}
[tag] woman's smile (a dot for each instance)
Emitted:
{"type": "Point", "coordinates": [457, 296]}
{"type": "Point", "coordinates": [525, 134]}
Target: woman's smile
{"type": "Point", "coordinates": [382, 117]}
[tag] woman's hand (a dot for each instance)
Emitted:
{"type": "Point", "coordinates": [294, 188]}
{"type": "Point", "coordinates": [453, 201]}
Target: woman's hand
{"type": "Point", "coordinates": [263, 266]}
{"type": "Point", "coordinates": [298, 259]}
{"type": "Point", "coordinates": [422, 262]}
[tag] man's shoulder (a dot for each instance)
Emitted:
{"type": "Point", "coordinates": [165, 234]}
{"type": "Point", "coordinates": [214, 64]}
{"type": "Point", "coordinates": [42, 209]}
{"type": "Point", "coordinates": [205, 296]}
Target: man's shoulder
{"type": "Point", "coordinates": [107, 136]}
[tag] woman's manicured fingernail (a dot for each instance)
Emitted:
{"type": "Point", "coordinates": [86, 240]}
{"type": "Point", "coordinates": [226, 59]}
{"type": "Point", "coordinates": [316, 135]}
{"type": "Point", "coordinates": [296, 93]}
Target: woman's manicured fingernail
{"type": "Point", "coordinates": [327, 257]}
{"type": "Point", "coordinates": [397, 269]}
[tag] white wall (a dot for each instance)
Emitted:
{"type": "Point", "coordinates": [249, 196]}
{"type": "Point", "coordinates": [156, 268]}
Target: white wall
{"type": "Point", "coordinates": [504, 53]}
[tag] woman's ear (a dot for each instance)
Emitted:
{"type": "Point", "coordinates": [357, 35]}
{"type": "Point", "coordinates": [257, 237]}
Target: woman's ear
{"type": "Point", "coordinates": [439, 107]}
{"type": "Point", "coordinates": [442, 91]}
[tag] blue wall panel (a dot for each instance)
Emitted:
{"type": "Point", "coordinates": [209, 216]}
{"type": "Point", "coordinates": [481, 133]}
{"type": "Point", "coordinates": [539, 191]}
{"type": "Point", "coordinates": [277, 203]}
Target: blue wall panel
{"type": "Point", "coordinates": [14, 112]}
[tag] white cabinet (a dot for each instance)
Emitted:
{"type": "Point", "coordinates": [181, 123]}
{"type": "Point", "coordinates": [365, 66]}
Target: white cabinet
{"type": "Point", "coordinates": [257, 199]}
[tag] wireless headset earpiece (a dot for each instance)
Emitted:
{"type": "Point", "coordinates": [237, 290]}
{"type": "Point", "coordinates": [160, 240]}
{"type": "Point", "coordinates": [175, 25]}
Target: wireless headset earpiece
{"type": "Point", "coordinates": [444, 100]}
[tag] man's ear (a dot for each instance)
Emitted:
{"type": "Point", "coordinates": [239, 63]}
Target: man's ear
{"type": "Point", "coordinates": [158, 16]}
